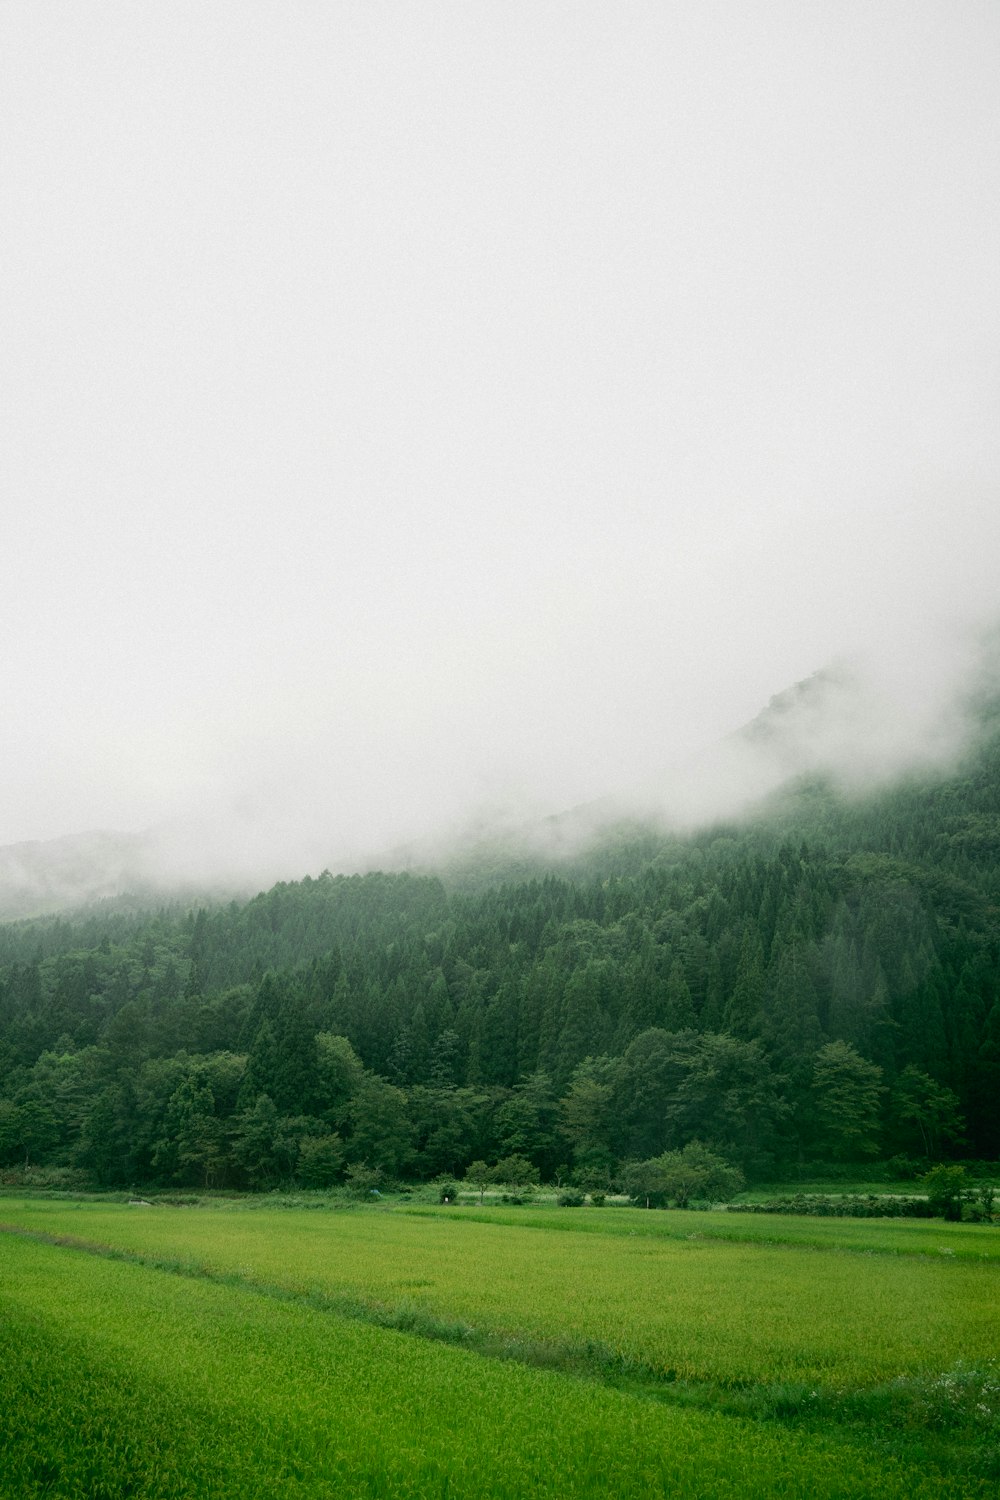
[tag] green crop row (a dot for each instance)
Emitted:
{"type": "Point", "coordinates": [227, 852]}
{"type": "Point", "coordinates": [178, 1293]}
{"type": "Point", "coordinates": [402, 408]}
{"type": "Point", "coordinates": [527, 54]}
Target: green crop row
{"type": "Point", "coordinates": [694, 1308]}
{"type": "Point", "coordinates": [116, 1380]}
{"type": "Point", "coordinates": [865, 1236]}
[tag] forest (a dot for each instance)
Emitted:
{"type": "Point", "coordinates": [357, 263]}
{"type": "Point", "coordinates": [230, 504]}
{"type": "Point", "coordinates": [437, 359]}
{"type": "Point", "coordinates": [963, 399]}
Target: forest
{"type": "Point", "coordinates": [814, 987]}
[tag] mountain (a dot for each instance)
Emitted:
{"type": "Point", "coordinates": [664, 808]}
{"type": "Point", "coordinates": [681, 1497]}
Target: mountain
{"type": "Point", "coordinates": [839, 724]}
{"type": "Point", "coordinates": [56, 874]}
{"type": "Point", "coordinates": [77, 871]}
{"type": "Point", "coordinates": [815, 982]}
{"type": "Point", "coordinates": [841, 728]}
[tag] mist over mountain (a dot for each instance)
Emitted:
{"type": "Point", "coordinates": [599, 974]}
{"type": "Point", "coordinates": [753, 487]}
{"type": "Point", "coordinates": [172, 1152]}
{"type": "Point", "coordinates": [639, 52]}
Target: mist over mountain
{"type": "Point", "coordinates": [724, 984]}
{"type": "Point", "coordinates": [46, 876]}
{"type": "Point", "coordinates": [858, 724]}
{"type": "Point", "coordinates": [846, 723]}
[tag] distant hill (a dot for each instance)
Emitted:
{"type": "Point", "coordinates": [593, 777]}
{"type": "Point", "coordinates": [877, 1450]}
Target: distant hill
{"type": "Point", "coordinates": [835, 725]}
{"type": "Point", "coordinates": [835, 731]}
{"type": "Point", "coordinates": [49, 876]}
{"type": "Point", "coordinates": [56, 874]}
{"type": "Point", "coordinates": [815, 981]}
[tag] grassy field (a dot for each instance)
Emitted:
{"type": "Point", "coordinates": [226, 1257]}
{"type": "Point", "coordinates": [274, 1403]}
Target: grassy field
{"type": "Point", "coordinates": [881, 1236]}
{"type": "Point", "coordinates": [495, 1352]}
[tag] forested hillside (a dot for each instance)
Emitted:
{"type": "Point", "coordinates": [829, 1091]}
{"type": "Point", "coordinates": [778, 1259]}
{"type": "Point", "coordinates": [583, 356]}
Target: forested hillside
{"type": "Point", "coordinates": [821, 984]}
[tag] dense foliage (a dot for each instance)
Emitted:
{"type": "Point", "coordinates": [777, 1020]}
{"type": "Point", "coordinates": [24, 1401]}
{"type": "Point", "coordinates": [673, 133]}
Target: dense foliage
{"type": "Point", "coordinates": [821, 984]}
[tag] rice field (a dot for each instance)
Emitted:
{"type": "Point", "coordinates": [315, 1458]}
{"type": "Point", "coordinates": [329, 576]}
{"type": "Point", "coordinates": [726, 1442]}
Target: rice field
{"type": "Point", "coordinates": [882, 1236]}
{"type": "Point", "coordinates": [702, 1308]}
{"type": "Point", "coordinates": [287, 1356]}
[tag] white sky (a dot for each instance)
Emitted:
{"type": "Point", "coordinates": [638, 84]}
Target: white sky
{"type": "Point", "coordinates": [408, 406]}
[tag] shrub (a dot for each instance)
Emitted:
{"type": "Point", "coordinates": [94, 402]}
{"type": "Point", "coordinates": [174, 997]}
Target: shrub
{"type": "Point", "coordinates": [447, 1192]}
{"type": "Point", "coordinates": [843, 1206]}
{"type": "Point", "coordinates": [570, 1198]}
{"type": "Point", "coordinates": [945, 1188]}
{"type": "Point", "coordinates": [597, 1199]}
{"type": "Point", "coordinates": [365, 1181]}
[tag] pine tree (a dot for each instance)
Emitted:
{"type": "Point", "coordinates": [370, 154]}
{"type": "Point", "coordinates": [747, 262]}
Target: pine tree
{"type": "Point", "coordinates": [743, 1008]}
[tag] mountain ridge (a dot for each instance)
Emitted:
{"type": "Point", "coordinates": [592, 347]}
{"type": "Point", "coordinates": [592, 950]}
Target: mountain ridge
{"type": "Point", "coordinates": [829, 727]}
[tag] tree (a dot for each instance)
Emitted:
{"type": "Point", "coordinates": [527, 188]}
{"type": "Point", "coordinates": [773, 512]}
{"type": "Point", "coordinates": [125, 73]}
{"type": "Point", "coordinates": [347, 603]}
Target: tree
{"type": "Point", "coordinates": [585, 1113]}
{"type": "Point", "coordinates": [35, 1128]}
{"type": "Point", "coordinates": [263, 1064]}
{"type": "Point", "coordinates": [925, 1113]}
{"type": "Point", "coordinates": [254, 1142]}
{"type": "Point", "coordinates": [192, 1149]}
{"type": "Point", "coordinates": [341, 1073]}
{"type": "Point", "coordinates": [680, 1176]}
{"type": "Point", "coordinates": [446, 1125]}
{"type": "Point", "coordinates": [789, 1023]}
{"type": "Point", "coordinates": [742, 1010]}
{"type": "Point", "coordinates": [515, 1171]}
{"type": "Point", "coordinates": [527, 1122]}
{"type": "Point", "coordinates": [480, 1176]}
{"type": "Point", "coordinates": [846, 1090]}
{"type": "Point", "coordinates": [678, 1006]}
{"type": "Point", "coordinates": [584, 1028]}
{"type": "Point", "coordinates": [644, 1082]}
{"type": "Point", "coordinates": [645, 1182]}
{"type": "Point", "coordinates": [696, 1172]}
{"type": "Point", "coordinates": [321, 1160]}
{"type": "Point", "coordinates": [107, 1142]}
{"type": "Point", "coordinates": [380, 1128]}
{"type": "Point", "coordinates": [10, 1136]}
{"type": "Point", "coordinates": [674, 1087]}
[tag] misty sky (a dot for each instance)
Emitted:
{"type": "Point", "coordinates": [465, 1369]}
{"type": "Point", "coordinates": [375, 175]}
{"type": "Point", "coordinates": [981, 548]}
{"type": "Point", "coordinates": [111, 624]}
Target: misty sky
{"type": "Point", "coordinates": [412, 407]}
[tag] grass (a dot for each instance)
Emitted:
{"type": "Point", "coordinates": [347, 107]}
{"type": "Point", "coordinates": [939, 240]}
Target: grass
{"type": "Point", "coordinates": [880, 1333]}
{"type": "Point", "coordinates": [768, 1302]}
{"type": "Point", "coordinates": [116, 1380]}
{"type": "Point", "coordinates": [867, 1236]}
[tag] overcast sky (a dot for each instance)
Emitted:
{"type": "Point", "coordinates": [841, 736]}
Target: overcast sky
{"type": "Point", "coordinates": [408, 407]}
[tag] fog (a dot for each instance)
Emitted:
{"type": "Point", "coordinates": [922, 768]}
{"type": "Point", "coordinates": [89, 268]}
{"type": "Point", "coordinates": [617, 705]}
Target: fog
{"type": "Point", "coordinates": [417, 415]}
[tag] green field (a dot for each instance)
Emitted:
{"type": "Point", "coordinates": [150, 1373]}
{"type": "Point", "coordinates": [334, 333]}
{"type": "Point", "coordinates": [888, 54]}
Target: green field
{"type": "Point", "coordinates": [492, 1352]}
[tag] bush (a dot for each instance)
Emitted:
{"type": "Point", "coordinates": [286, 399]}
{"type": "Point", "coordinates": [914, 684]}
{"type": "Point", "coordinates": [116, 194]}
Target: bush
{"type": "Point", "coordinates": [903, 1168]}
{"type": "Point", "coordinates": [570, 1198]}
{"type": "Point", "coordinates": [365, 1181]}
{"type": "Point", "coordinates": [841, 1206]}
{"type": "Point", "coordinates": [447, 1192]}
{"type": "Point", "coordinates": [597, 1200]}
{"type": "Point", "coordinates": [67, 1179]}
{"type": "Point", "coordinates": [980, 1203]}
{"type": "Point", "coordinates": [945, 1188]}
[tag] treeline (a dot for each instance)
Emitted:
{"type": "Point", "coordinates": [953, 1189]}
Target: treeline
{"type": "Point", "coordinates": [822, 985]}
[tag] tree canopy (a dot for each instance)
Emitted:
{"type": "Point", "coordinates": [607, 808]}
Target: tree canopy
{"type": "Point", "coordinates": [819, 984]}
